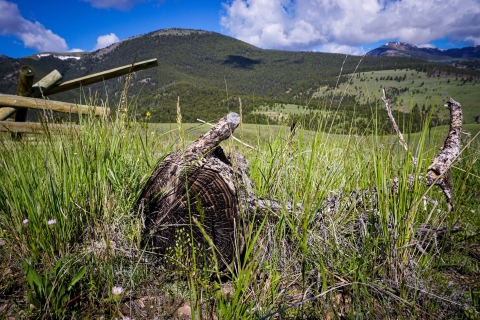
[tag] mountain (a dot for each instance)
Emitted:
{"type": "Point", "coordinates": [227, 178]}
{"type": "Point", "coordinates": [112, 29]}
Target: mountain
{"type": "Point", "coordinates": [400, 49]}
{"type": "Point", "coordinates": [207, 70]}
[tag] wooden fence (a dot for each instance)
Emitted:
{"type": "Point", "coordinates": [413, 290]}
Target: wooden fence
{"type": "Point", "coordinates": [31, 96]}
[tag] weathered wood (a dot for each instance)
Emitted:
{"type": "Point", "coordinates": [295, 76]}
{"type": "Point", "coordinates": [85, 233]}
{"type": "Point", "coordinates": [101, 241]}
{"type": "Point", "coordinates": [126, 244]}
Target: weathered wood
{"type": "Point", "coordinates": [24, 89]}
{"type": "Point", "coordinates": [202, 191]}
{"type": "Point", "coordinates": [37, 89]}
{"type": "Point", "coordinates": [6, 112]}
{"type": "Point", "coordinates": [392, 121]}
{"type": "Point", "coordinates": [101, 76]}
{"type": "Point", "coordinates": [25, 81]}
{"type": "Point", "coordinates": [193, 192]}
{"type": "Point", "coordinates": [31, 127]}
{"type": "Point", "coordinates": [45, 83]}
{"type": "Point", "coordinates": [438, 172]}
{"type": "Point", "coordinates": [23, 102]}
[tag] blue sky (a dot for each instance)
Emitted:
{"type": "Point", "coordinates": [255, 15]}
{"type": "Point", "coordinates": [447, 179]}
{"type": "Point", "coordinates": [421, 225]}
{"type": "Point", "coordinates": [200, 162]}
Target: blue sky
{"type": "Point", "coordinates": [344, 26]}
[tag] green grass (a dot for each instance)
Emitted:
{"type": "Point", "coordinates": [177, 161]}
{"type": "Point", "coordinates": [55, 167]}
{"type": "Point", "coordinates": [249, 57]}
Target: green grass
{"type": "Point", "coordinates": [357, 263]}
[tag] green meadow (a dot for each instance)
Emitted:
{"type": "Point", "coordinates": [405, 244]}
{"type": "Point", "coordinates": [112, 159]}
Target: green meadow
{"type": "Point", "coordinates": [409, 87]}
{"type": "Point", "coordinates": [70, 238]}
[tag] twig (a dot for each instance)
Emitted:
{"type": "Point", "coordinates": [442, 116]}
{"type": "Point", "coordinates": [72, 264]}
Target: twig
{"type": "Point", "coordinates": [395, 127]}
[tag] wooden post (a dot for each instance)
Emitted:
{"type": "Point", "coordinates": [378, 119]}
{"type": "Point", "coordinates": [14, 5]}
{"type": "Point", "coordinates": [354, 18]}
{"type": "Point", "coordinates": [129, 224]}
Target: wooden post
{"type": "Point", "coordinates": [37, 91]}
{"type": "Point", "coordinates": [25, 81]}
{"type": "Point", "coordinates": [45, 83]}
{"type": "Point", "coordinates": [24, 89]}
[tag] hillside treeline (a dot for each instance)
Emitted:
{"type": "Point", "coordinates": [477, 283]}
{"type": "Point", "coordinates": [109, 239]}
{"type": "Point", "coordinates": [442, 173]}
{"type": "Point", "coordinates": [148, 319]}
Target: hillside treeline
{"type": "Point", "coordinates": [205, 69]}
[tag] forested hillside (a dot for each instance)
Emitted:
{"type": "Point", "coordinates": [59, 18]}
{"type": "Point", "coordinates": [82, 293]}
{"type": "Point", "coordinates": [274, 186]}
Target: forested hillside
{"type": "Point", "coordinates": [207, 71]}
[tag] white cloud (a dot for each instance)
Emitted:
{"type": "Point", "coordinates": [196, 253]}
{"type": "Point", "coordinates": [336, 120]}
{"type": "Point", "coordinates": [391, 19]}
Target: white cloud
{"type": "Point", "coordinates": [308, 24]}
{"type": "Point", "coordinates": [33, 34]}
{"type": "Point", "coordinates": [474, 40]}
{"type": "Point", "coordinates": [341, 48]}
{"type": "Point", "coordinates": [426, 45]}
{"type": "Point", "coordinates": [124, 5]}
{"type": "Point", "coordinates": [76, 50]}
{"type": "Point", "coordinates": [105, 41]}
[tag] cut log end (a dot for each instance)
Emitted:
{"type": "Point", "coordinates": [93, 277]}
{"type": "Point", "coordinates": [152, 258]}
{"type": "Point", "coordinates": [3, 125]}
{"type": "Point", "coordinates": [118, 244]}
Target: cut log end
{"type": "Point", "coordinates": [193, 193]}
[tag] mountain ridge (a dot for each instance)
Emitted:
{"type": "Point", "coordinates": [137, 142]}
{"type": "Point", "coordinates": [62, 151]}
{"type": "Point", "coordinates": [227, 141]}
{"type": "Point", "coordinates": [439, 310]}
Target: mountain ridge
{"type": "Point", "coordinates": [206, 70]}
{"type": "Point", "coordinates": [401, 49]}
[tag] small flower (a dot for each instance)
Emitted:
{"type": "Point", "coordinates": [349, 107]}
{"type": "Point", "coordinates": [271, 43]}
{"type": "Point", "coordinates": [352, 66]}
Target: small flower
{"type": "Point", "coordinates": [148, 114]}
{"type": "Point", "coordinates": [152, 133]}
{"type": "Point", "coordinates": [52, 222]}
{"type": "Point", "coordinates": [25, 221]}
{"type": "Point", "coordinates": [117, 291]}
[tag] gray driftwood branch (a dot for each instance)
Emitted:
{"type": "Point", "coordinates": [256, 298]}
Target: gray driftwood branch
{"type": "Point", "coordinates": [438, 172]}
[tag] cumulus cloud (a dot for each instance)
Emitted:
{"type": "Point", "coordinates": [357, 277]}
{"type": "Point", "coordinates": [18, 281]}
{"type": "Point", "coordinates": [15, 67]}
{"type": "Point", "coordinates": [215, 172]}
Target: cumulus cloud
{"type": "Point", "coordinates": [105, 41]}
{"type": "Point", "coordinates": [348, 24]}
{"type": "Point", "coordinates": [123, 5]}
{"type": "Point", "coordinates": [426, 45]}
{"type": "Point", "coordinates": [33, 34]}
{"type": "Point", "coordinates": [474, 40]}
{"type": "Point", "coordinates": [340, 48]}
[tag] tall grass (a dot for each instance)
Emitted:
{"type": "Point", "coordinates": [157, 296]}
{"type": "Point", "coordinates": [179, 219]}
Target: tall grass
{"type": "Point", "coordinates": [67, 202]}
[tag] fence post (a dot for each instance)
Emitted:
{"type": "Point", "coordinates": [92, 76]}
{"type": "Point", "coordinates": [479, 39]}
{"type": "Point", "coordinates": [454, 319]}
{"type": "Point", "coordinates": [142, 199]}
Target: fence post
{"type": "Point", "coordinates": [24, 89]}
{"type": "Point", "coordinates": [37, 91]}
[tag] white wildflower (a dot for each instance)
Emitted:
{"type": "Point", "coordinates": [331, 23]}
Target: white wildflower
{"type": "Point", "coordinates": [117, 291]}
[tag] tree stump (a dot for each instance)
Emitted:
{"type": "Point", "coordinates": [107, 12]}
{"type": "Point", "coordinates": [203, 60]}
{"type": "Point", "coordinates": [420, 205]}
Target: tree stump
{"type": "Point", "coordinates": [191, 201]}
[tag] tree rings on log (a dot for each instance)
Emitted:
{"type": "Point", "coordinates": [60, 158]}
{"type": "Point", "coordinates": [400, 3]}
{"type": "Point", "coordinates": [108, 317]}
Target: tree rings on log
{"type": "Point", "coordinates": [190, 204]}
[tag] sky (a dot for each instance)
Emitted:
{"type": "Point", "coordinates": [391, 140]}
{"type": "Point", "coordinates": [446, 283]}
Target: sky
{"type": "Point", "coordinates": [339, 26]}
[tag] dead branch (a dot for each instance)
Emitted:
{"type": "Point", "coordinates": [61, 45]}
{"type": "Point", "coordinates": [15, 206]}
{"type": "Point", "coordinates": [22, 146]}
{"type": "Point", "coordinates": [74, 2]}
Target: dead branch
{"type": "Point", "coordinates": [439, 171]}
{"type": "Point", "coordinates": [233, 137]}
{"type": "Point", "coordinates": [394, 124]}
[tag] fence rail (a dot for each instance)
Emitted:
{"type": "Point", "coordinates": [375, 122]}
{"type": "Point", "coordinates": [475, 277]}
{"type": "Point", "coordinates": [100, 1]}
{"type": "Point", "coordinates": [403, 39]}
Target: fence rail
{"type": "Point", "coordinates": [27, 93]}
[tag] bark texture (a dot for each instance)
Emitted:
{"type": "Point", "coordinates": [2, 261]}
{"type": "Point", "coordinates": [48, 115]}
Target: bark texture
{"type": "Point", "coordinates": [438, 172]}
{"type": "Point", "coordinates": [191, 198]}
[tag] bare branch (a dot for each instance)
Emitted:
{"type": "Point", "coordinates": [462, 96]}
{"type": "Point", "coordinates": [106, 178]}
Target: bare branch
{"type": "Point", "coordinates": [392, 120]}
{"type": "Point", "coordinates": [439, 171]}
{"type": "Point", "coordinates": [233, 137]}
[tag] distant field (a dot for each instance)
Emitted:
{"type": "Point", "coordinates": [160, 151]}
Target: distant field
{"type": "Point", "coordinates": [281, 111]}
{"type": "Point", "coordinates": [258, 134]}
{"type": "Point", "coordinates": [250, 133]}
{"type": "Point", "coordinates": [421, 90]}
{"type": "Point", "coordinates": [410, 88]}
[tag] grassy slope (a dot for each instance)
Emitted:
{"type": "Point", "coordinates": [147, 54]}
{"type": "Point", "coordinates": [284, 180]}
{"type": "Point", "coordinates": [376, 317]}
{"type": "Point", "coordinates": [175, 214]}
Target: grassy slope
{"type": "Point", "coordinates": [190, 65]}
{"type": "Point", "coordinates": [433, 91]}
